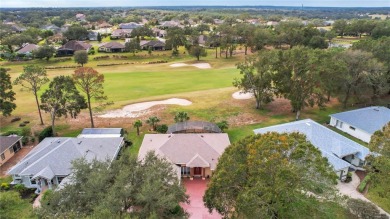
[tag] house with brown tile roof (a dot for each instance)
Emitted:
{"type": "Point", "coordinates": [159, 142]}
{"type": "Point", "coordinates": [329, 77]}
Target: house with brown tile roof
{"type": "Point", "coordinates": [192, 155]}
{"type": "Point", "coordinates": [112, 47]}
{"type": "Point", "coordinates": [72, 46]}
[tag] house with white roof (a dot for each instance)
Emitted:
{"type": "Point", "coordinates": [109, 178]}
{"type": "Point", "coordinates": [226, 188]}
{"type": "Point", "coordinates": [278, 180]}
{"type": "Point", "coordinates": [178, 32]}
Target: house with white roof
{"type": "Point", "coordinates": [361, 123]}
{"type": "Point", "coordinates": [192, 154]}
{"type": "Point", "coordinates": [50, 162]}
{"type": "Point", "coordinates": [341, 152]}
{"type": "Point", "coordinates": [101, 133]}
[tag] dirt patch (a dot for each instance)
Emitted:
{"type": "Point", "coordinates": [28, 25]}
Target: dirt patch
{"type": "Point", "coordinates": [279, 106]}
{"type": "Point", "coordinates": [139, 109]}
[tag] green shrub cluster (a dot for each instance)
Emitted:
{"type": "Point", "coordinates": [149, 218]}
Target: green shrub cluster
{"type": "Point", "coordinates": [47, 132]}
{"type": "Point", "coordinates": [363, 184]}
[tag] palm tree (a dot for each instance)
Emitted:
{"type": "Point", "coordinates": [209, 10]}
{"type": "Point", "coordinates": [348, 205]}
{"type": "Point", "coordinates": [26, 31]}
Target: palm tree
{"type": "Point", "coordinates": [181, 117]}
{"type": "Point", "coordinates": [152, 121]}
{"type": "Point", "coordinates": [223, 125]}
{"type": "Point", "coordinates": [137, 124]}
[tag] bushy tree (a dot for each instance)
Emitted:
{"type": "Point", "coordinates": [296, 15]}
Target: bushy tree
{"type": "Point", "coordinates": [32, 79]}
{"type": "Point", "coordinates": [81, 57]}
{"type": "Point", "coordinates": [257, 77]}
{"type": "Point", "coordinates": [271, 176]}
{"type": "Point", "coordinates": [90, 82]}
{"type": "Point", "coordinates": [125, 189]}
{"type": "Point", "coordinates": [198, 51]}
{"type": "Point", "coordinates": [44, 52]}
{"type": "Point", "coordinates": [7, 95]}
{"type": "Point", "coordinates": [62, 99]}
{"type": "Point", "coordinates": [76, 32]}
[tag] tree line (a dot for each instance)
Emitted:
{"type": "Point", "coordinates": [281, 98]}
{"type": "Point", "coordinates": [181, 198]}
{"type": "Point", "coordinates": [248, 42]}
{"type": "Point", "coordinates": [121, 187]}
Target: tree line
{"type": "Point", "coordinates": [61, 98]}
{"type": "Point", "coordinates": [309, 77]}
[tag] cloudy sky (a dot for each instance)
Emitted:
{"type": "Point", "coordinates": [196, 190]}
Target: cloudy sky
{"type": "Point", "coordinates": [100, 3]}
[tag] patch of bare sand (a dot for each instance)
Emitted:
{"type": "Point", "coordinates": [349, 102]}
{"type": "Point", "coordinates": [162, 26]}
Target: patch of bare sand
{"type": "Point", "coordinates": [139, 109]}
{"type": "Point", "coordinates": [240, 95]}
{"type": "Point", "coordinates": [197, 65]}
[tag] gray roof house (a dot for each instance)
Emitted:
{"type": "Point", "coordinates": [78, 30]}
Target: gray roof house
{"type": "Point", "coordinates": [101, 133]}
{"type": "Point", "coordinates": [340, 151]}
{"type": "Point", "coordinates": [9, 145]}
{"type": "Point", "coordinates": [27, 49]}
{"type": "Point", "coordinates": [361, 123]}
{"type": "Point", "coordinates": [112, 47]}
{"type": "Point", "coordinates": [50, 161]}
{"type": "Point", "coordinates": [192, 155]}
{"type": "Point", "coordinates": [131, 25]}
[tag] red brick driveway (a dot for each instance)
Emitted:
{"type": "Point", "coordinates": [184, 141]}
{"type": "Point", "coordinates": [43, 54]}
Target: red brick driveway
{"type": "Point", "coordinates": [196, 189]}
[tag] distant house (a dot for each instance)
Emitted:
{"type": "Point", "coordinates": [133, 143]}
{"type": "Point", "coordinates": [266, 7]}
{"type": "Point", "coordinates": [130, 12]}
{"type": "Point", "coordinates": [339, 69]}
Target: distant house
{"type": "Point", "coordinates": [341, 152]}
{"type": "Point", "coordinates": [72, 46]}
{"type": "Point", "coordinates": [202, 40]}
{"type": "Point", "coordinates": [193, 127]}
{"type": "Point", "coordinates": [167, 24]}
{"type": "Point", "coordinates": [92, 36]}
{"type": "Point", "coordinates": [16, 29]}
{"type": "Point", "coordinates": [121, 33]}
{"type": "Point", "coordinates": [104, 24]}
{"type": "Point", "coordinates": [361, 123]}
{"type": "Point", "coordinates": [27, 49]}
{"type": "Point", "coordinates": [55, 29]}
{"type": "Point", "coordinates": [81, 17]}
{"type": "Point", "coordinates": [9, 146]}
{"type": "Point", "coordinates": [131, 25]}
{"type": "Point", "coordinates": [112, 47]}
{"type": "Point", "coordinates": [101, 133]}
{"type": "Point", "coordinates": [154, 44]}
{"type": "Point", "coordinates": [159, 33]}
{"type": "Point", "coordinates": [191, 155]}
{"type": "Point", "coordinates": [50, 162]}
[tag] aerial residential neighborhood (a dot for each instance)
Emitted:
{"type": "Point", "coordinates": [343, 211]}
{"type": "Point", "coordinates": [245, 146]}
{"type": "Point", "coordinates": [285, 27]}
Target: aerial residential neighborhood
{"type": "Point", "coordinates": [194, 110]}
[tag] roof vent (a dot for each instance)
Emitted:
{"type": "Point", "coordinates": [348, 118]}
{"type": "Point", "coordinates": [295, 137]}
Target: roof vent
{"type": "Point", "coordinates": [169, 136]}
{"type": "Point", "coordinates": [376, 109]}
{"type": "Point", "coordinates": [307, 123]}
{"type": "Point", "coordinates": [79, 142]}
{"type": "Point", "coordinates": [201, 136]}
{"type": "Point", "coordinates": [59, 141]}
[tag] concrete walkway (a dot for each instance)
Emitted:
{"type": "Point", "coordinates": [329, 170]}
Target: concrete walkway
{"type": "Point", "coordinates": [37, 201]}
{"type": "Point", "coordinates": [350, 190]}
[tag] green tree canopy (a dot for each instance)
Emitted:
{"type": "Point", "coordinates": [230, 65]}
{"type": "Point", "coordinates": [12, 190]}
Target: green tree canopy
{"type": "Point", "coordinates": [81, 57]}
{"type": "Point", "coordinates": [32, 79]}
{"type": "Point", "coordinates": [62, 99]}
{"type": "Point", "coordinates": [149, 188]}
{"type": "Point", "coordinates": [271, 176]}
{"type": "Point", "coordinates": [76, 32]}
{"type": "Point", "coordinates": [197, 51]}
{"type": "Point", "coordinates": [44, 52]}
{"type": "Point", "coordinates": [7, 95]}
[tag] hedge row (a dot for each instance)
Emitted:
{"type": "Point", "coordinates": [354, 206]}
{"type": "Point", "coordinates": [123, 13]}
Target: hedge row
{"type": "Point", "coordinates": [119, 57]}
{"type": "Point", "coordinates": [101, 57]}
{"type": "Point", "coordinates": [363, 184]}
{"type": "Point", "coordinates": [111, 64]}
{"type": "Point", "coordinates": [62, 59]}
{"type": "Point", "coordinates": [59, 67]}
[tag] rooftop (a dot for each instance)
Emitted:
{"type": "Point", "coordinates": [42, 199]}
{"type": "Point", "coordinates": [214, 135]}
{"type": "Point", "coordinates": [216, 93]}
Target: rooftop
{"type": "Point", "coordinates": [7, 141]}
{"type": "Point", "coordinates": [332, 145]}
{"type": "Point", "coordinates": [369, 119]}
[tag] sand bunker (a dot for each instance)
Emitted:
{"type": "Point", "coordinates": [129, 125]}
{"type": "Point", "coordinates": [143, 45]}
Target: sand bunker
{"type": "Point", "coordinates": [138, 109]}
{"type": "Point", "coordinates": [198, 65]}
{"type": "Point", "coordinates": [239, 95]}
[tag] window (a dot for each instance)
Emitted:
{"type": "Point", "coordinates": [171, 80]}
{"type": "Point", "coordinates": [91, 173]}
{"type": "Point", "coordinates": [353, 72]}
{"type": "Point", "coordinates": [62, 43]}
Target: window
{"type": "Point", "coordinates": [2, 156]}
{"type": "Point", "coordinates": [11, 150]}
{"type": "Point", "coordinates": [33, 181]}
{"type": "Point", "coordinates": [353, 128]}
{"type": "Point", "coordinates": [341, 124]}
{"type": "Point", "coordinates": [185, 171]}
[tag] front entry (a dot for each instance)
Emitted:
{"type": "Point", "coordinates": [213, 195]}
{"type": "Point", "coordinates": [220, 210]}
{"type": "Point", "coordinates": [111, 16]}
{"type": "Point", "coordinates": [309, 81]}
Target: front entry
{"type": "Point", "coordinates": [197, 171]}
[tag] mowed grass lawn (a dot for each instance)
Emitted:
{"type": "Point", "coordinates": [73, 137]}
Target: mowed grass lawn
{"type": "Point", "coordinates": [137, 85]}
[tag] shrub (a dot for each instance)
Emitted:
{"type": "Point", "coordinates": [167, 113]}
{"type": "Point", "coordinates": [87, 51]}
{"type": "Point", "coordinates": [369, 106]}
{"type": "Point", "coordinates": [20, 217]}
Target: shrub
{"type": "Point", "coordinates": [162, 128]}
{"type": "Point", "coordinates": [4, 186]}
{"type": "Point", "coordinates": [22, 124]}
{"type": "Point", "coordinates": [32, 140]}
{"type": "Point", "coordinates": [363, 184]}
{"type": "Point", "coordinates": [25, 140]}
{"type": "Point", "coordinates": [16, 119]}
{"type": "Point", "coordinates": [349, 177]}
{"type": "Point", "coordinates": [47, 132]}
{"type": "Point", "coordinates": [20, 188]}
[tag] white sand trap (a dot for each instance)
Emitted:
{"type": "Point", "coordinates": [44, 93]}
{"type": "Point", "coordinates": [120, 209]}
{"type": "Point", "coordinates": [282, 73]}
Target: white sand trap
{"type": "Point", "coordinates": [239, 95]}
{"type": "Point", "coordinates": [138, 109]}
{"type": "Point", "coordinates": [198, 65]}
